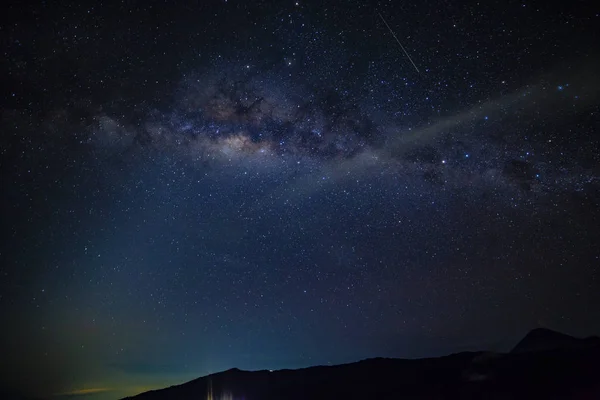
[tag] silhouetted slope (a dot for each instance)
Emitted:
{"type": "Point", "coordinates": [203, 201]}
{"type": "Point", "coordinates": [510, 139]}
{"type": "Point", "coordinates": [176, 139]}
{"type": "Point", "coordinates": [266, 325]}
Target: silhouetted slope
{"type": "Point", "coordinates": [546, 339]}
{"type": "Point", "coordinates": [571, 372]}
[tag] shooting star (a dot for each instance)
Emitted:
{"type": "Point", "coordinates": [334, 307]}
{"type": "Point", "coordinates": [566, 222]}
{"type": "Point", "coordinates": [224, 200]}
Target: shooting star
{"type": "Point", "coordinates": [402, 47]}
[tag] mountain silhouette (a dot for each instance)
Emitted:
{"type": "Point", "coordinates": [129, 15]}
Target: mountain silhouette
{"type": "Point", "coordinates": [541, 339]}
{"type": "Point", "coordinates": [545, 364]}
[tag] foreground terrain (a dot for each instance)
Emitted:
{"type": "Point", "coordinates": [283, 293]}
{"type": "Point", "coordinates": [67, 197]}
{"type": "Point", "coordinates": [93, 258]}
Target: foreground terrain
{"type": "Point", "coordinates": [544, 365]}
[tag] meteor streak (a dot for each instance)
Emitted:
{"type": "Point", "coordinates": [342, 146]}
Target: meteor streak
{"type": "Point", "coordinates": [402, 47]}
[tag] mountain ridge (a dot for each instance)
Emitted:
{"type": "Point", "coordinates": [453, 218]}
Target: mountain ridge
{"type": "Point", "coordinates": [541, 339]}
{"type": "Point", "coordinates": [546, 364]}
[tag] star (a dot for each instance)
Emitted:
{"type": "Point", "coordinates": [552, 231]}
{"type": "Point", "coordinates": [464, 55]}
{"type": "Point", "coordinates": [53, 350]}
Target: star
{"type": "Point", "coordinates": [255, 181]}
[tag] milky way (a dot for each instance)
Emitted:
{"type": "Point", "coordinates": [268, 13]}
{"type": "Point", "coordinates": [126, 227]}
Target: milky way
{"type": "Point", "coordinates": [232, 116]}
{"type": "Point", "coordinates": [274, 186]}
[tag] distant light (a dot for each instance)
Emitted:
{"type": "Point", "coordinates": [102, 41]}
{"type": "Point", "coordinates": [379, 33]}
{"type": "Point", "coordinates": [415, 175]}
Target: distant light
{"type": "Point", "coordinates": [443, 161]}
{"type": "Point", "coordinates": [560, 87]}
{"type": "Point", "coordinates": [466, 156]}
{"type": "Point", "coordinates": [486, 118]}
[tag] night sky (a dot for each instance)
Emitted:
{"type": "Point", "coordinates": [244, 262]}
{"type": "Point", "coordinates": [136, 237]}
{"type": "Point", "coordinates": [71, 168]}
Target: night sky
{"type": "Point", "coordinates": [275, 184]}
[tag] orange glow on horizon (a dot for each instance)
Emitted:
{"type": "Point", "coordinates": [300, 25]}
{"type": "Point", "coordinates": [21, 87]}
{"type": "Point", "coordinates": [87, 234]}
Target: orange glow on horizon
{"type": "Point", "coordinates": [81, 392]}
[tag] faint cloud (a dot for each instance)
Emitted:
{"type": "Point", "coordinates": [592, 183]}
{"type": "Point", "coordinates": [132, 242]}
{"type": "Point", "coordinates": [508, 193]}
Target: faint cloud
{"type": "Point", "coordinates": [84, 392]}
